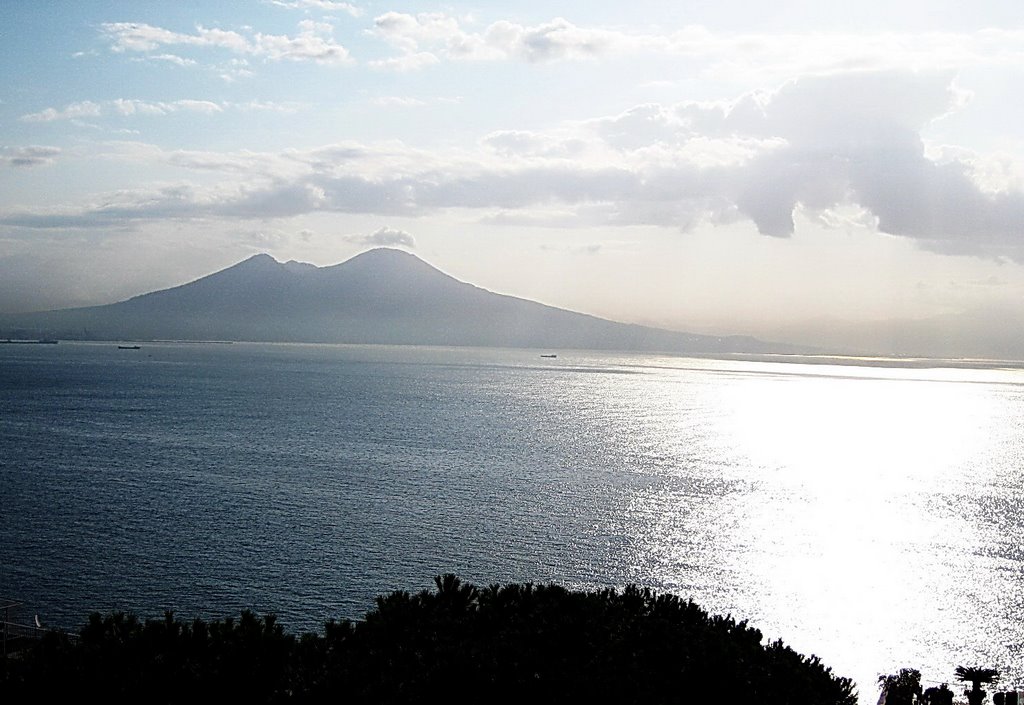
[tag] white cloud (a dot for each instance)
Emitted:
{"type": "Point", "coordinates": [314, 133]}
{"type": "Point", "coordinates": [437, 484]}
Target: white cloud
{"type": "Point", "coordinates": [397, 101]}
{"type": "Point", "coordinates": [557, 39]}
{"type": "Point", "coordinates": [69, 112]}
{"type": "Point", "coordinates": [233, 70]}
{"type": "Point", "coordinates": [514, 142]}
{"type": "Point", "coordinates": [268, 106]}
{"type": "Point", "coordinates": [437, 33]}
{"type": "Point", "coordinates": [241, 163]}
{"type": "Point", "coordinates": [173, 59]}
{"type": "Point", "coordinates": [125, 107]}
{"type": "Point", "coordinates": [407, 32]}
{"type": "Point", "coordinates": [775, 56]}
{"type": "Point", "coordinates": [141, 37]}
{"type": "Point", "coordinates": [326, 5]}
{"type": "Point", "coordinates": [406, 62]}
{"type": "Point", "coordinates": [314, 41]}
{"type": "Point", "coordinates": [526, 144]}
{"type": "Point", "coordinates": [993, 174]}
{"type": "Point", "coordinates": [825, 146]}
{"type": "Point", "coordinates": [162, 108]}
{"type": "Point", "coordinates": [32, 155]}
{"type": "Point", "coordinates": [384, 237]}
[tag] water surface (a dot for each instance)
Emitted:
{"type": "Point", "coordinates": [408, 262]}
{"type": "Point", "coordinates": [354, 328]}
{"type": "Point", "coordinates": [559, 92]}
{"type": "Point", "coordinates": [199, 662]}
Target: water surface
{"type": "Point", "coordinates": [868, 515]}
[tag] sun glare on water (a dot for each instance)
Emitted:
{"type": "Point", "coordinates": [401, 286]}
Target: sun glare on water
{"type": "Point", "coordinates": [856, 514]}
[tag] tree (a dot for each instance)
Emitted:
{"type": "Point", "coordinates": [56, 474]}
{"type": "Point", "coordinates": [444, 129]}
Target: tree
{"type": "Point", "coordinates": [513, 643]}
{"type": "Point", "coordinates": [976, 675]}
{"type": "Point", "coordinates": [902, 688]}
{"type": "Point", "coordinates": [941, 695]}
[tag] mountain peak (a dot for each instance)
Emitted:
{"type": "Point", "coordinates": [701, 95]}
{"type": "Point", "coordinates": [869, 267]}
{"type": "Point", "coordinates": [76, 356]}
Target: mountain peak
{"type": "Point", "coordinates": [384, 254]}
{"type": "Point", "coordinates": [381, 296]}
{"type": "Point", "coordinates": [261, 262]}
{"type": "Point", "coordinates": [387, 251]}
{"type": "Point", "coordinates": [386, 262]}
{"type": "Point", "coordinates": [378, 256]}
{"type": "Point", "coordinates": [261, 258]}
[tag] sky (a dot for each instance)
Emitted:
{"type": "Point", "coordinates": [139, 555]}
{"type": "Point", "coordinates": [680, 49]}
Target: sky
{"type": "Point", "coordinates": [844, 175]}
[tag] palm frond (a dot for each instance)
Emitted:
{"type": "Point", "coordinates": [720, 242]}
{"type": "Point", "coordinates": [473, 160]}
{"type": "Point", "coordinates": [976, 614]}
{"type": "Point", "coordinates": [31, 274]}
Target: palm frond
{"type": "Point", "coordinates": [976, 674]}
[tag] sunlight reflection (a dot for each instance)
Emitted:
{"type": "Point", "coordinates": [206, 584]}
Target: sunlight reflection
{"type": "Point", "coordinates": [840, 498]}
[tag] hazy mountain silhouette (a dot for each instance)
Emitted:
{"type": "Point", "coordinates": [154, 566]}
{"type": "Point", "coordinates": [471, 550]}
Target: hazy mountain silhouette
{"type": "Point", "coordinates": [380, 296]}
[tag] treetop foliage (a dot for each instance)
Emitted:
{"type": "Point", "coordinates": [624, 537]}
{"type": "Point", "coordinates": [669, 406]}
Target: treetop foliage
{"type": "Point", "coordinates": [523, 642]}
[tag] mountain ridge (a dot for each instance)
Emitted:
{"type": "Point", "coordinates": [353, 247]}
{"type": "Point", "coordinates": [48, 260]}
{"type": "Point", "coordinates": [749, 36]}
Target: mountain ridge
{"type": "Point", "coordinates": [383, 295]}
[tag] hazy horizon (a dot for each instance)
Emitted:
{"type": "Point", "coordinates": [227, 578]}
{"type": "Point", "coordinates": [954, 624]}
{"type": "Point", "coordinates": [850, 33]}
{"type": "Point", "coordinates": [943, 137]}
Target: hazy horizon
{"type": "Point", "coordinates": [818, 174]}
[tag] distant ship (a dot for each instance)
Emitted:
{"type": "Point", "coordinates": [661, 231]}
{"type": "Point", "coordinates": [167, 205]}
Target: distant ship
{"type": "Point", "coordinates": [128, 347]}
{"type": "Point", "coordinates": [549, 355]}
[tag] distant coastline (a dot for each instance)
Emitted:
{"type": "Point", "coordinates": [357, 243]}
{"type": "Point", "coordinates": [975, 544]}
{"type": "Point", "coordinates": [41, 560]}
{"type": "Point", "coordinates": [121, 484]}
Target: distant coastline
{"type": "Point", "coordinates": [877, 361]}
{"type": "Point", "coordinates": [822, 359]}
{"type": "Point", "coordinates": [189, 342]}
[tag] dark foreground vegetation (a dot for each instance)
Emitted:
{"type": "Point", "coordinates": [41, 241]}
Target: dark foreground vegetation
{"type": "Point", "coordinates": [520, 642]}
{"type": "Point", "coordinates": [904, 688]}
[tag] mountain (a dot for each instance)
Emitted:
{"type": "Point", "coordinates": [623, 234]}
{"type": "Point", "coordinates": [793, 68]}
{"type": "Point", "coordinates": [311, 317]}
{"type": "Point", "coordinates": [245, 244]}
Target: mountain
{"type": "Point", "coordinates": [380, 296]}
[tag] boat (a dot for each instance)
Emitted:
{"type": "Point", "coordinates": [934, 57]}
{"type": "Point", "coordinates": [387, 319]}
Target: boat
{"type": "Point", "coordinates": [128, 347]}
{"type": "Point", "coordinates": [549, 355]}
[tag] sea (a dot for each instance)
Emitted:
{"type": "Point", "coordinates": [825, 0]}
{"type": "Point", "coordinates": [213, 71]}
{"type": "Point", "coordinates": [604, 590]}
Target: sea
{"type": "Point", "coordinates": [868, 512]}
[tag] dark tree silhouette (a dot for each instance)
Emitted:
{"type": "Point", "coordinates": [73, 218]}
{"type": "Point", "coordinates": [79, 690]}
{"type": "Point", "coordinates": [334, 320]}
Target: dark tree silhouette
{"type": "Point", "coordinates": [940, 695]}
{"type": "Point", "coordinates": [518, 642]}
{"type": "Point", "coordinates": [901, 688]}
{"type": "Point", "coordinates": [975, 675]}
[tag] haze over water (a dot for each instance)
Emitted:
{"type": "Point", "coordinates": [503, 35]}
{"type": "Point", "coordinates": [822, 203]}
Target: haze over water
{"type": "Point", "coordinates": [867, 515]}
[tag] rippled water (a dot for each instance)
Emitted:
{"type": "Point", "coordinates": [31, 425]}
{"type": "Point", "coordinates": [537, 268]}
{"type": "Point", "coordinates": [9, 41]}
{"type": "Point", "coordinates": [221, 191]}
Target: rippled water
{"type": "Point", "coordinates": [868, 515]}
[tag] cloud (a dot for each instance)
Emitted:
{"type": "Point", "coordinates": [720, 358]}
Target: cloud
{"type": "Point", "coordinates": [413, 35]}
{"type": "Point", "coordinates": [385, 237]}
{"type": "Point", "coordinates": [770, 55]}
{"type": "Point", "coordinates": [141, 37]}
{"type": "Point", "coordinates": [70, 112]}
{"type": "Point", "coordinates": [557, 39]}
{"type": "Point", "coordinates": [413, 61]}
{"type": "Point", "coordinates": [513, 142]}
{"type": "Point", "coordinates": [856, 138]}
{"type": "Point", "coordinates": [825, 146]}
{"type": "Point", "coordinates": [397, 101]}
{"type": "Point", "coordinates": [233, 70]}
{"type": "Point", "coordinates": [525, 144]}
{"type": "Point", "coordinates": [173, 59]}
{"type": "Point", "coordinates": [267, 106]}
{"type": "Point", "coordinates": [407, 32]}
{"type": "Point", "coordinates": [326, 5]}
{"type": "Point", "coordinates": [241, 163]}
{"type": "Point", "coordinates": [130, 107]}
{"type": "Point", "coordinates": [314, 41]}
{"type": "Point", "coordinates": [171, 202]}
{"type": "Point", "coordinates": [32, 155]}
